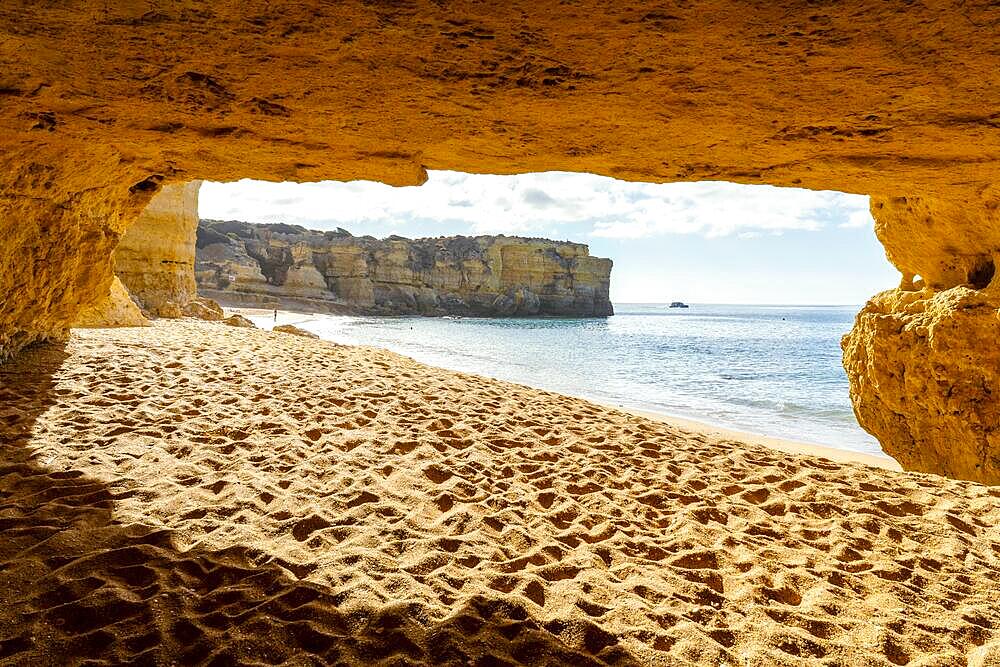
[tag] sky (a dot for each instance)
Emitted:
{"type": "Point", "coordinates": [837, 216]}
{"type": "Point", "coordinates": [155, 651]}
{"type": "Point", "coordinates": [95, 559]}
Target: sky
{"type": "Point", "coordinates": [704, 242]}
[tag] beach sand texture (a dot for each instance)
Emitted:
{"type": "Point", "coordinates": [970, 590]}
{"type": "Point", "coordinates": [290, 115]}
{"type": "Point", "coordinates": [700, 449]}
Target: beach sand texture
{"type": "Point", "coordinates": [192, 493]}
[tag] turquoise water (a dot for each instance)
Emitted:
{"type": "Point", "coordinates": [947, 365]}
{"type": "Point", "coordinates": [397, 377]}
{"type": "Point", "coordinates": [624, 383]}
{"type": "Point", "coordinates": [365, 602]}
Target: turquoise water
{"type": "Point", "coordinates": [772, 370]}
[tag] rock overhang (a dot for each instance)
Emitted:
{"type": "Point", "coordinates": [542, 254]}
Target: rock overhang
{"type": "Point", "coordinates": [850, 96]}
{"type": "Point", "coordinates": [104, 102]}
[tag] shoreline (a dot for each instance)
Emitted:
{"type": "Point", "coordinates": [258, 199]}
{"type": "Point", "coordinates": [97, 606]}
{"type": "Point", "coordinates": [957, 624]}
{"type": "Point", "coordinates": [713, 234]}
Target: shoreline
{"type": "Point", "coordinates": [715, 432]}
{"type": "Point", "coordinates": [798, 447]}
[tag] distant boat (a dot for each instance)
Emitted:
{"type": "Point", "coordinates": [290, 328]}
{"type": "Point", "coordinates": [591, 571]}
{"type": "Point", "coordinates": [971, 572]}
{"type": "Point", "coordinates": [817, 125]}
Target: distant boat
{"type": "Point", "coordinates": [678, 304]}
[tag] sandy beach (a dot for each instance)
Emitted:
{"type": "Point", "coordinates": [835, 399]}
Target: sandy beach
{"type": "Point", "coordinates": [196, 493]}
{"type": "Point", "coordinates": [710, 431]}
{"type": "Point", "coordinates": [737, 438]}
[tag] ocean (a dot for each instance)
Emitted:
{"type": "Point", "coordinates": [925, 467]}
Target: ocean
{"type": "Point", "coordinates": [770, 370]}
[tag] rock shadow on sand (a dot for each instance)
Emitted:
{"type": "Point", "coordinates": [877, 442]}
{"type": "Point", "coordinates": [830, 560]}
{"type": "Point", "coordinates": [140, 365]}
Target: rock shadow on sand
{"type": "Point", "coordinates": [78, 586]}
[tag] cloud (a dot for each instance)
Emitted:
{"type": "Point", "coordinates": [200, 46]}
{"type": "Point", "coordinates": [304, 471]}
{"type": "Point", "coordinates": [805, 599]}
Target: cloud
{"type": "Point", "coordinates": [537, 198]}
{"type": "Point", "coordinates": [530, 203]}
{"type": "Point", "coordinates": [856, 219]}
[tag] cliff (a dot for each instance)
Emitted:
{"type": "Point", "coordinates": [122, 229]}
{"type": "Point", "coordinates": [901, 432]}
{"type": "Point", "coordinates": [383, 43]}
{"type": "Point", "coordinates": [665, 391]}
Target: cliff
{"type": "Point", "coordinates": [155, 258]}
{"type": "Point", "coordinates": [289, 266]}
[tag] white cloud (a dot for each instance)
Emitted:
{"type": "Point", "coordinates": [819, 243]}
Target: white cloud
{"type": "Point", "coordinates": [490, 204]}
{"type": "Point", "coordinates": [857, 219]}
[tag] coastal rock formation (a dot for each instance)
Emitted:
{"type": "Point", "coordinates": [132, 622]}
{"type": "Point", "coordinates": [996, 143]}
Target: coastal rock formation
{"type": "Point", "coordinates": [117, 310]}
{"type": "Point", "coordinates": [203, 309]}
{"type": "Point", "coordinates": [925, 383]}
{"type": "Point", "coordinates": [293, 330]}
{"type": "Point", "coordinates": [924, 376]}
{"type": "Point", "coordinates": [155, 257]}
{"type": "Point", "coordinates": [102, 103]}
{"type": "Point", "coordinates": [941, 243]}
{"type": "Point", "coordinates": [280, 265]}
{"type": "Point", "coordinates": [239, 322]}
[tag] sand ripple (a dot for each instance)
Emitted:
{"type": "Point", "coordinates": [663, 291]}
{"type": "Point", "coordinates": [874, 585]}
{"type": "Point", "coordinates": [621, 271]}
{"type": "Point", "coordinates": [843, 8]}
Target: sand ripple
{"type": "Point", "coordinates": [193, 493]}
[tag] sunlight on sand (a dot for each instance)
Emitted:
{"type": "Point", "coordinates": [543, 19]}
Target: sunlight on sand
{"type": "Point", "coordinates": [212, 491]}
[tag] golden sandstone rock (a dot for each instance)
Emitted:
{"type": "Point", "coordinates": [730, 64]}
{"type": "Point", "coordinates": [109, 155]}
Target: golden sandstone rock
{"type": "Point", "coordinates": [925, 379]}
{"type": "Point", "coordinates": [204, 309]}
{"type": "Point", "coordinates": [104, 102]}
{"type": "Point", "coordinates": [239, 322]}
{"type": "Point", "coordinates": [294, 331]}
{"type": "Point", "coordinates": [287, 266]}
{"type": "Point", "coordinates": [116, 310]}
{"type": "Point", "coordinates": [155, 258]}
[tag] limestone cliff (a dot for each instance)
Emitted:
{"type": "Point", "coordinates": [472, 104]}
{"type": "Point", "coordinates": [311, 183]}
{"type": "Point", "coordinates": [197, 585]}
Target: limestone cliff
{"type": "Point", "coordinates": [155, 257]}
{"type": "Point", "coordinates": [289, 266]}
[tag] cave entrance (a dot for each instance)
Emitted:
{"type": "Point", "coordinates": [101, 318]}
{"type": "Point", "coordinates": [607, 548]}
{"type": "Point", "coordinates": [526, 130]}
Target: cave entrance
{"type": "Point", "coordinates": [482, 251]}
{"type": "Point", "coordinates": [708, 242]}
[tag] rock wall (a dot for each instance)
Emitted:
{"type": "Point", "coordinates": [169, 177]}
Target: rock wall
{"type": "Point", "coordinates": [60, 224]}
{"type": "Point", "coordinates": [921, 359]}
{"type": "Point", "coordinates": [926, 381]}
{"type": "Point", "coordinates": [290, 266]}
{"type": "Point", "coordinates": [102, 102]}
{"type": "Point", "coordinates": [118, 309]}
{"type": "Point", "coordinates": [155, 257]}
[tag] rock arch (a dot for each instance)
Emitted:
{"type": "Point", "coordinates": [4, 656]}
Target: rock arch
{"type": "Point", "coordinates": [102, 103]}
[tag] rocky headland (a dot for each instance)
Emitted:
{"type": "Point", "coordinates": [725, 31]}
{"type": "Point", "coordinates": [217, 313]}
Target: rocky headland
{"type": "Point", "coordinates": [288, 266]}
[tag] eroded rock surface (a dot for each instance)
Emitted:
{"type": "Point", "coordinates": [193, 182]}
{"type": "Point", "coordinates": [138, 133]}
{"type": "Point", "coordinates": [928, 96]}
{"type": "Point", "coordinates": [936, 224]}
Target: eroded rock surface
{"type": "Point", "coordinates": [238, 321]}
{"type": "Point", "coordinates": [59, 226]}
{"type": "Point", "coordinates": [293, 330]}
{"type": "Point", "coordinates": [921, 359]}
{"type": "Point", "coordinates": [925, 379]}
{"type": "Point", "coordinates": [204, 309]}
{"type": "Point", "coordinates": [155, 257]}
{"type": "Point", "coordinates": [280, 265]}
{"type": "Point", "coordinates": [117, 310]}
{"type": "Point", "coordinates": [941, 243]}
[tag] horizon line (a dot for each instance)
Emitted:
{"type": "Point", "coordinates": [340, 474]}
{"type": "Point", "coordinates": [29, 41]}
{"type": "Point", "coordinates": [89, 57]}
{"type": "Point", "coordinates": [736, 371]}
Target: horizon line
{"type": "Point", "coordinates": [708, 303]}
